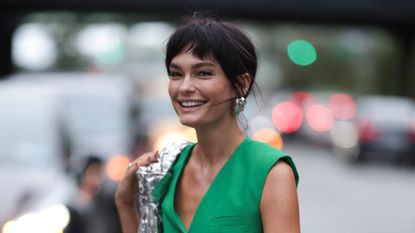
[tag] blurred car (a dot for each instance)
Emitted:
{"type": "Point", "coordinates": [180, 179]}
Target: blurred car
{"type": "Point", "coordinates": [384, 128]}
{"type": "Point", "coordinates": [311, 115]}
{"type": "Point", "coordinates": [35, 185]}
{"type": "Point", "coordinates": [97, 110]}
{"type": "Point", "coordinates": [95, 116]}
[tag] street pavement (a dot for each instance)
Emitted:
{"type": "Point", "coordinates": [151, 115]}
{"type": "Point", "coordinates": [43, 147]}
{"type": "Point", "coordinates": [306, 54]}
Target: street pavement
{"type": "Point", "coordinates": [337, 197]}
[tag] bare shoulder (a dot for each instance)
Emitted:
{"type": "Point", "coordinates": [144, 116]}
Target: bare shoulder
{"type": "Point", "coordinates": [279, 201]}
{"type": "Point", "coordinates": [281, 171]}
{"type": "Point", "coordinates": [280, 180]}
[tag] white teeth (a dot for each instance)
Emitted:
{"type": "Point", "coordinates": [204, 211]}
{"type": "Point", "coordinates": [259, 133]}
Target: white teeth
{"type": "Point", "coordinates": [191, 103]}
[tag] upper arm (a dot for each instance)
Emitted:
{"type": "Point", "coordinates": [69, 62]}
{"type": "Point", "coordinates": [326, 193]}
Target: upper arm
{"type": "Point", "coordinates": [279, 201]}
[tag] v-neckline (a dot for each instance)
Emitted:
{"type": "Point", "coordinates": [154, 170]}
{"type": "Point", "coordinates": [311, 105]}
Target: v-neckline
{"type": "Point", "coordinates": [178, 176]}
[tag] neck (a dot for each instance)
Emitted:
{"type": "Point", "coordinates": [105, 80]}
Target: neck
{"type": "Point", "coordinates": [216, 144]}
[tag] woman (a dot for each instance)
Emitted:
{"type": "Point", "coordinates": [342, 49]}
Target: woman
{"type": "Point", "coordinates": [226, 182]}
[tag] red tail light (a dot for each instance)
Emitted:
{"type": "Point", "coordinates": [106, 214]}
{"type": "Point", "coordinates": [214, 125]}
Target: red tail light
{"type": "Point", "coordinates": [367, 131]}
{"type": "Point", "coordinates": [412, 132]}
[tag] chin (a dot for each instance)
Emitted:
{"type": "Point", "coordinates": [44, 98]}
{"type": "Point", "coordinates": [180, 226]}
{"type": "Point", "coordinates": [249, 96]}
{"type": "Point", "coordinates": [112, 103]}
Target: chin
{"type": "Point", "coordinates": [193, 121]}
{"type": "Point", "coordinates": [189, 123]}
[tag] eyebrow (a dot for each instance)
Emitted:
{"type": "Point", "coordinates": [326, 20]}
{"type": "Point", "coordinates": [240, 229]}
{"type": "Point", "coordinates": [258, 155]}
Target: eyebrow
{"type": "Point", "coordinates": [194, 66]}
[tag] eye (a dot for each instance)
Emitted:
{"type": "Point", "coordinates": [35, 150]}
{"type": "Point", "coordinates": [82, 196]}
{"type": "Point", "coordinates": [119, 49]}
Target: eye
{"type": "Point", "coordinates": [204, 74]}
{"type": "Point", "coordinates": [174, 75]}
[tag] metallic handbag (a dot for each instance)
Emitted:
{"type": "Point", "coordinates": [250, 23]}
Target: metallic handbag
{"type": "Point", "coordinates": [156, 174]}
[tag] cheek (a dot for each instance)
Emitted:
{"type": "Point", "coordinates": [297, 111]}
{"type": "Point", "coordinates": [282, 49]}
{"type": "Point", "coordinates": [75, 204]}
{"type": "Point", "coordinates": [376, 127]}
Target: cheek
{"type": "Point", "coordinates": [172, 89]}
{"type": "Point", "coordinates": [225, 90]}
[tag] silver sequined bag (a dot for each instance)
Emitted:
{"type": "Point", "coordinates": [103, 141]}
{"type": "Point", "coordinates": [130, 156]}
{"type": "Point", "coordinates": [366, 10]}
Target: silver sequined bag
{"type": "Point", "coordinates": [148, 177]}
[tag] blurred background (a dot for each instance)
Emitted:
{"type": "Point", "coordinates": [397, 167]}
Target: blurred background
{"type": "Point", "coordinates": [83, 90]}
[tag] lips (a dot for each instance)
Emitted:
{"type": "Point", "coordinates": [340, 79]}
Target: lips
{"type": "Point", "coordinates": [191, 103]}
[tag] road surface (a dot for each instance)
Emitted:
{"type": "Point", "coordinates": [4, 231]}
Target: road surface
{"type": "Point", "coordinates": [336, 197]}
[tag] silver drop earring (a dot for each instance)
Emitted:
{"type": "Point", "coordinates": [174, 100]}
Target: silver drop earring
{"type": "Point", "coordinates": [239, 105]}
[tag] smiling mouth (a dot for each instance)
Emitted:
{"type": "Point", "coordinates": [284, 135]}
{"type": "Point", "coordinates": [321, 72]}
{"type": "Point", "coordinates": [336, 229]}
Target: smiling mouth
{"type": "Point", "coordinates": [192, 103]}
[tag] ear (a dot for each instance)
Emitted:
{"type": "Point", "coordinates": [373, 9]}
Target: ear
{"type": "Point", "coordinates": [246, 80]}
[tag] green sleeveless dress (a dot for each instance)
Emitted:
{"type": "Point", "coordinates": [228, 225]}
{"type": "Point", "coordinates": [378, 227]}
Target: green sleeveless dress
{"type": "Point", "coordinates": [232, 202]}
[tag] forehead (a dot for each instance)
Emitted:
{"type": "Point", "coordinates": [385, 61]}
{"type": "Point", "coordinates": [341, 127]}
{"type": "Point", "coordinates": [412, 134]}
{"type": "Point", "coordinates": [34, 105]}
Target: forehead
{"type": "Point", "coordinates": [187, 57]}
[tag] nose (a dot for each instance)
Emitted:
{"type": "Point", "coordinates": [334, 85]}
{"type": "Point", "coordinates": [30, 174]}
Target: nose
{"type": "Point", "coordinates": [187, 85]}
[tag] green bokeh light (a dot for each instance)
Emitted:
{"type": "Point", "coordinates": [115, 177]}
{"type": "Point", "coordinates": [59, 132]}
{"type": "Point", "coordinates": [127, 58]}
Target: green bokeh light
{"type": "Point", "coordinates": [302, 52]}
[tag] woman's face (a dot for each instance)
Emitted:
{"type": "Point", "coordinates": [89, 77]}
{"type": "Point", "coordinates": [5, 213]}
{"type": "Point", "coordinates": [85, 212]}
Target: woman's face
{"type": "Point", "coordinates": [199, 90]}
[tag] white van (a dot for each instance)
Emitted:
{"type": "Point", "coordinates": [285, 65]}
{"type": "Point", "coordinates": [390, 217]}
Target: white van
{"type": "Point", "coordinates": [80, 115]}
{"type": "Point", "coordinates": [34, 184]}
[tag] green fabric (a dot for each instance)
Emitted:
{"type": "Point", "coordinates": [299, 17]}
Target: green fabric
{"type": "Point", "coordinates": [232, 202]}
